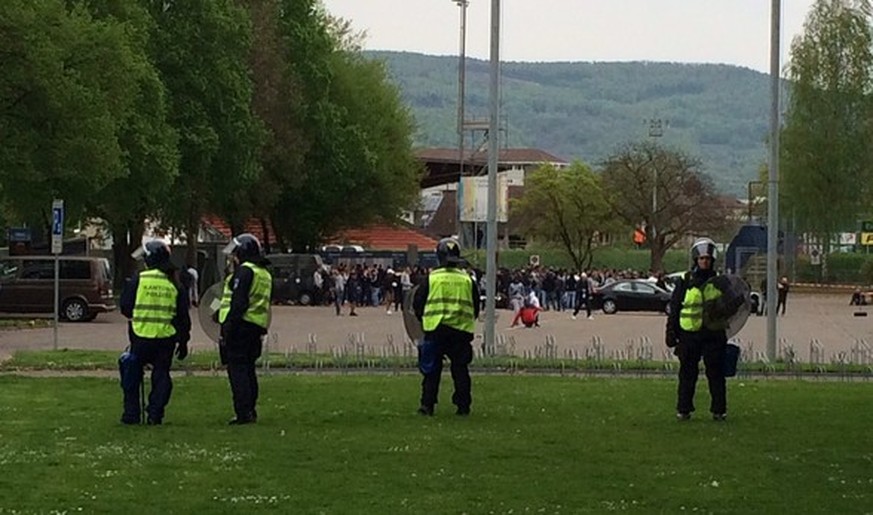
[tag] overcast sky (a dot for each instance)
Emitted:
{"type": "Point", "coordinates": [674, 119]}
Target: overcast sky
{"type": "Point", "coordinates": [711, 31]}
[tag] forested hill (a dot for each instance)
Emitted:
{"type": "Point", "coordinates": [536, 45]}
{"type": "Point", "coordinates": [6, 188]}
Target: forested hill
{"type": "Point", "coordinates": [585, 111]}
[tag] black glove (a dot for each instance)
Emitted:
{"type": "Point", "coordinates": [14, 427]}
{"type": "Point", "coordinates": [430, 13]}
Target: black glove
{"type": "Point", "coordinates": [182, 350]}
{"type": "Point", "coordinates": [671, 340]}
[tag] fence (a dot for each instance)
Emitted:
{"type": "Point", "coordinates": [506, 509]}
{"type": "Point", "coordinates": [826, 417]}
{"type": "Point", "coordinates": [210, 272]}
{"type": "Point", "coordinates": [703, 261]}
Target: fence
{"type": "Point", "coordinates": [637, 356]}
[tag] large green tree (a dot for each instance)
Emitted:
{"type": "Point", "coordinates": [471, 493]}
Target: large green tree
{"type": "Point", "coordinates": [357, 163]}
{"type": "Point", "coordinates": [686, 200]}
{"type": "Point", "coordinates": [148, 142]}
{"type": "Point", "coordinates": [201, 48]}
{"type": "Point", "coordinates": [566, 207]}
{"type": "Point", "coordinates": [826, 151]}
{"type": "Point", "coordinates": [68, 81]}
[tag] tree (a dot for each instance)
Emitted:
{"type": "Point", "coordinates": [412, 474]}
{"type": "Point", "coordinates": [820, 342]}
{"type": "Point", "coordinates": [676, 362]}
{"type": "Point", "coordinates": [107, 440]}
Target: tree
{"type": "Point", "coordinates": [358, 163]}
{"type": "Point", "coordinates": [826, 153]}
{"type": "Point", "coordinates": [150, 156]}
{"type": "Point", "coordinates": [566, 207]}
{"type": "Point", "coordinates": [68, 84]}
{"type": "Point", "coordinates": [201, 48]}
{"type": "Point", "coordinates": [686, 200]}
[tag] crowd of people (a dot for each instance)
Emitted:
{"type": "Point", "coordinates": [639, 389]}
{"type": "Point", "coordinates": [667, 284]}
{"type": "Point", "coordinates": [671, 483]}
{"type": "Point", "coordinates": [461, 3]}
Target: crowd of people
{"type": "Point", "coordinates": [536, 287]}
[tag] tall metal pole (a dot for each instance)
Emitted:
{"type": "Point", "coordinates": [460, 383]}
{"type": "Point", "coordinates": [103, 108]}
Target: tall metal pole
{"type": "Point", "coordinates": [493, 149]}
{"type": "Point", "coordinates": [462, 74]}
{"type": "Point", "coordinates": [773, 178]}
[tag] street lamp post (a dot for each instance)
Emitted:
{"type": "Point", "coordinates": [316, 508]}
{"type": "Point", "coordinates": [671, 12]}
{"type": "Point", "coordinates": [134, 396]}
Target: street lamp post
{"type": "Point", "coordinates": [462, 65]}
{"type": "Point", "coordinates": [462, 74]}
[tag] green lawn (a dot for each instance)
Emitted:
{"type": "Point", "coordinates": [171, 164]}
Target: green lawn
{"type": "Point", "coordinates": [352, 444]}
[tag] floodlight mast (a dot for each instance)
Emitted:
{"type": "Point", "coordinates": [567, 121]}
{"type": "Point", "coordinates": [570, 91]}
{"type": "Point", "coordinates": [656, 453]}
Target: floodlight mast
{"type": "Point", "coordinates": [493, 149]}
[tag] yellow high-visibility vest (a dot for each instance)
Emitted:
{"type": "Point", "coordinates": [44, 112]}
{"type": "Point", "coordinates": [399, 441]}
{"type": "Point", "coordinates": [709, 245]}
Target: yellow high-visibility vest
{"type": "Point", "coordinates": [155, 305]}
{"type": "Point", "coordinates": [691, 315]}
{"type": "Point", "coordinates": [449, 300]}
{"type": "Point", "coordinates": [258, 312]}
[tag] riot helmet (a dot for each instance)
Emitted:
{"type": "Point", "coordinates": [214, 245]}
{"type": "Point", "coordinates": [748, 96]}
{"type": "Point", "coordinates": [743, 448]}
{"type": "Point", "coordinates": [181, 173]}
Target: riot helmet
{"type": "Point", "coordinates": [703, 247]}
{"type": "Point", "coordinates": [448, 252]}
{"type": "Point", "coordinates": [155, 253]}
{"type": "Point", "coordinates": [245, 246]}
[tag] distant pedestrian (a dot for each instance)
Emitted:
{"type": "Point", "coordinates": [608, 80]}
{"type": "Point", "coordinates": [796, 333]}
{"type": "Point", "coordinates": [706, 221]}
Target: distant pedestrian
{"type": "Point", "coordinates": [584, 293]}
{"type": "Point", "coordinates": [338, 287]}
{"type": "Point", "coordinates": [193, 285]}
{"type": "Point", "coordinates": [782, 294]}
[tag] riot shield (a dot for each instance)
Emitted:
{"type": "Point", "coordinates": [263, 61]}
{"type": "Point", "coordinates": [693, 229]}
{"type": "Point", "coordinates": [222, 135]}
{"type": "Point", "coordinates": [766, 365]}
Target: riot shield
{"type": "Point", "coordinates": [207, 312]}
{"type": "Point", "coordinates": [413, 326]}
{"type": "Point", "coordinates": [732, 309]}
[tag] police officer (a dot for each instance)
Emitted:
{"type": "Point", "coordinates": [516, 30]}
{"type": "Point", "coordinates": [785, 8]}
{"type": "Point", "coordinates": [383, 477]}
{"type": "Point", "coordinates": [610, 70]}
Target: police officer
{"type": "Point", "coordinates": [446, 303]}
{"type": "Point", "coordinates": [244, 316]}
{"type": "Point", "coordinates": [156, 306]}
{"type": "Point", "coordinates": [694, 335]}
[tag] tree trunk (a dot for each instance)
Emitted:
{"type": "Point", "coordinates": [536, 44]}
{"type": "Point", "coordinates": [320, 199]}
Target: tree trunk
{"type": "Point", "coordinates": [657, 251]}
{"type": "Point", "coordinates": [265, 228]}
{"type": "Point", "coordinates": [125, 265]}
{"type": "Point", "coordinates": [191, 232]}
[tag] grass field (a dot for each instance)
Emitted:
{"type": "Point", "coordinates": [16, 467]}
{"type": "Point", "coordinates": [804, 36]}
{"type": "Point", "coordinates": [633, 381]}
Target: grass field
{"type": "Point", "coordinates": [352, 444]}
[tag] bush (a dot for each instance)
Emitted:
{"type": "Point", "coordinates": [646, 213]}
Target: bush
{"type": "Point", "coordinates": [842, 268]}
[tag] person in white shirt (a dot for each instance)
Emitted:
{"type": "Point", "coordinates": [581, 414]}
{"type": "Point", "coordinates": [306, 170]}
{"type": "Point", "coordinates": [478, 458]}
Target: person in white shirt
{"type": "Point", "coordinates": [194, 286]}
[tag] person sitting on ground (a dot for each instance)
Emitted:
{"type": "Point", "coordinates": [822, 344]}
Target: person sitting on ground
{"type": "Point", "coordinates": [529, 315]}
{"type": "Point", "coordinates": [858, 298]}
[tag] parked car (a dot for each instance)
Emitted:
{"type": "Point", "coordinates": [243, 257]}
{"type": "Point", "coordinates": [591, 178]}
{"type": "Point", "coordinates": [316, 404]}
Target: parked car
{"type": "Point", "coordinates": [27, 285]}
{"type": "Point", "coordinates": [631, 295]}
{"type": "Point", "coordinates": [293, 277]}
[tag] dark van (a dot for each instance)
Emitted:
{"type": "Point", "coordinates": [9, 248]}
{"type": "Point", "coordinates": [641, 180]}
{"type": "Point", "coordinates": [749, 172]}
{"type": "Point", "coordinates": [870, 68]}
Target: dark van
{"type": "Point", "coordinates": [293, 280]}
{"type": "Point", "coordinates": [27, 285]}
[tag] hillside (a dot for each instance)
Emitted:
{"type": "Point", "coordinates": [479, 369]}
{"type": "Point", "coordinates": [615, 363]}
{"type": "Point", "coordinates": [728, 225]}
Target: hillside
{"type": "Point", "coordinates": [584, 111]}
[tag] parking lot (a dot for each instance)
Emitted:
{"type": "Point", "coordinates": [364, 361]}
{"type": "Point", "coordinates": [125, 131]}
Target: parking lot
{"type": "Point", "coordinates": [827, 319]}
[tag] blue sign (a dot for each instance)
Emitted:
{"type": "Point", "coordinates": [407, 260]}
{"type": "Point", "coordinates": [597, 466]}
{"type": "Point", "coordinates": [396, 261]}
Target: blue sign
{"type": "Point", "coordinates": [58, 220]}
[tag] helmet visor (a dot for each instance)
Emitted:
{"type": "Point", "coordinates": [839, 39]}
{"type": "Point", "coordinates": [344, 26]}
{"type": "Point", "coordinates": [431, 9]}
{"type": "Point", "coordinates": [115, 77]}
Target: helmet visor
{"type": "Point", "coordinates": [139, 253]}
{"type": "Point", "coordinates": [704, 249]}
{"type": "Point", "coordinates": [230, 247]}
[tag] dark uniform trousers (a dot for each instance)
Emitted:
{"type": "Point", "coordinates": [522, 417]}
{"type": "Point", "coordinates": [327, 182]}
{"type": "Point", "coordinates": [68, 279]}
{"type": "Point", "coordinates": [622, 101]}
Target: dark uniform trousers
{"type": "Point", "coordinates": [459, 351]}
{"type": "Point", "coordinates": [158, 354]}
{"type": "Point", "coordinates": [240, 352]}
{"type": "Point", "coordinates": [692, 346]}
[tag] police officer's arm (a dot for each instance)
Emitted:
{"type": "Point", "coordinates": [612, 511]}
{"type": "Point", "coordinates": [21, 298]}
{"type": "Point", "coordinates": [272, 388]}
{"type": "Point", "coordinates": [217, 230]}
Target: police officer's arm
{"type": "Point", "coordinates": [241, 284]}
{"type": "Point", "coordinates": [128, 296]}
{"type": "Point", "coordinates": [672, 336]}
{"type": "Point", "coordinates": [182, 320]}
{"type": "Point", "coordinates": [420, 298]}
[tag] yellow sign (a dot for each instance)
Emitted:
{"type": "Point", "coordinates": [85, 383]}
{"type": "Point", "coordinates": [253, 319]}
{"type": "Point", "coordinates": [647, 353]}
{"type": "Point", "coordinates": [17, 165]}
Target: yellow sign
{"type": "Point", "coordinates": [867, 238]}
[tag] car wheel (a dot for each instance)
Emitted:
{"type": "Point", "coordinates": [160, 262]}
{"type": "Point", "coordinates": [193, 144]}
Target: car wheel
{"type": "Point", "coordinates": [305, 299]}
{"type": "Point", "coordinates": [609, 306]}
{"type": "Point", "coordinates": [75, 310]}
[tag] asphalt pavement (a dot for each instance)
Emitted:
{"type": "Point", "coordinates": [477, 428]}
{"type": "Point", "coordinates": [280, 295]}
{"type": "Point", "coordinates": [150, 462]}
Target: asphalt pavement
{"type": "Point", "coordinates": [820, 321]}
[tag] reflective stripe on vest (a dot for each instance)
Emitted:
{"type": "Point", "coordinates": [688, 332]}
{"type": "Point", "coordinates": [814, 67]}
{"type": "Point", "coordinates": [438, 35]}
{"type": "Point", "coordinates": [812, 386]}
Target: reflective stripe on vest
{"type": "Point", "coordinates": [691, 315]}
{"type": "Point", "coordinates": [155, 305]}
{"type": "Point", "coordinates": [258, 312]}
{"type": "Point", "coordinates": [449, 300]}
